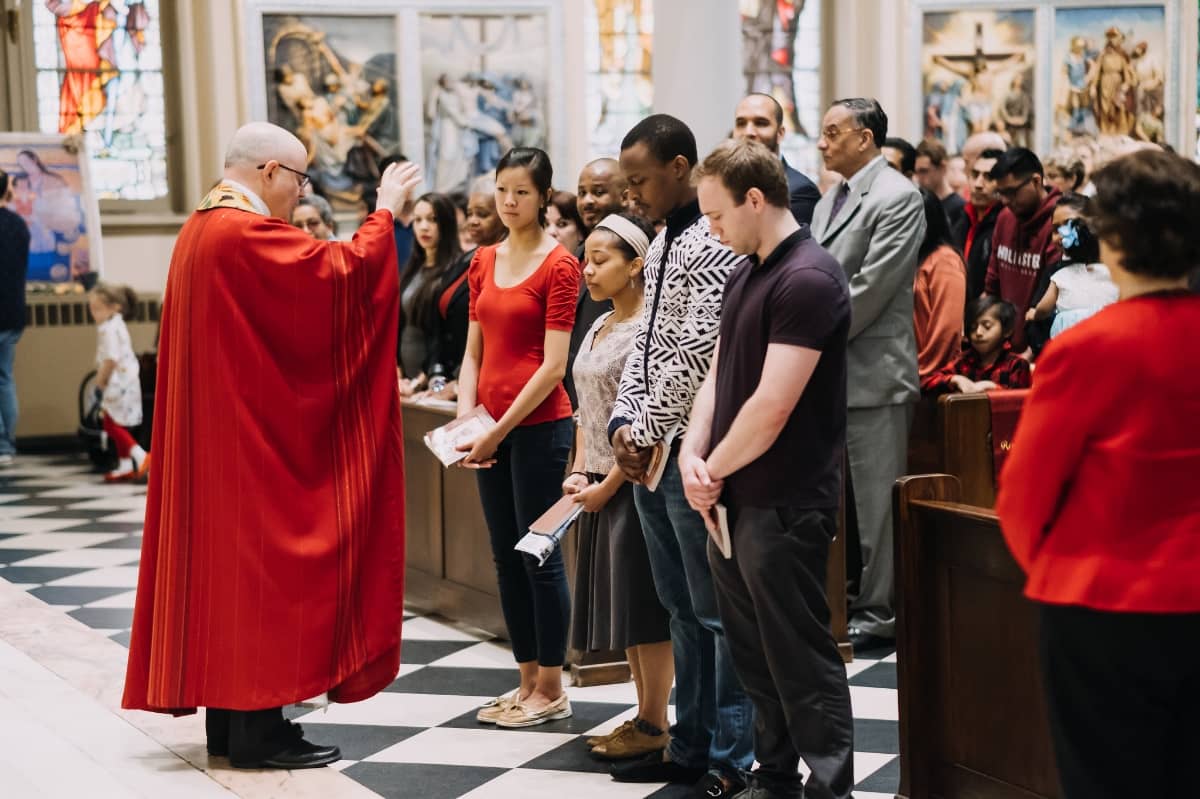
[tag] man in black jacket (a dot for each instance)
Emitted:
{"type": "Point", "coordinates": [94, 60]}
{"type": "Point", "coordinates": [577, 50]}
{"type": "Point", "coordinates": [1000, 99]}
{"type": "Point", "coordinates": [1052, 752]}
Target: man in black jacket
{"type": "Point", "coordinates": [759, 117]}
{"type": "Point", "coordinates": [14, 261]}
{"type": "Point", "coordinates": [982, 211]}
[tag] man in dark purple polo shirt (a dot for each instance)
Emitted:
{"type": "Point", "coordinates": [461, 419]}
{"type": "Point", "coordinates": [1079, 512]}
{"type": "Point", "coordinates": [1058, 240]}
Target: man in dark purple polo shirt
{"type": "Point", "coordinates": [765, 444]}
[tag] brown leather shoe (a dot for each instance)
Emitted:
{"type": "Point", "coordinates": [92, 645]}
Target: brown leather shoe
{"type": "Point", "coordinates": [635, 742]}
{"type": "Point", "coordinates": [599, 739]}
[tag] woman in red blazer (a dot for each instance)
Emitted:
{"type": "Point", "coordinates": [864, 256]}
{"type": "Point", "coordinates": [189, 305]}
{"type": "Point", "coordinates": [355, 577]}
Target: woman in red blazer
{"type": "Point", "coordinates": [1100, 498]}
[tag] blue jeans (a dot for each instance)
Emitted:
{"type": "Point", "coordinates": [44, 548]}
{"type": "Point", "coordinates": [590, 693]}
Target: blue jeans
{"type": "Point", "coordinates": [8, 392]}
{"type": "Point", "coordinates": [522, 485]}
{"type": "Point", "coordinates": [714, 719]}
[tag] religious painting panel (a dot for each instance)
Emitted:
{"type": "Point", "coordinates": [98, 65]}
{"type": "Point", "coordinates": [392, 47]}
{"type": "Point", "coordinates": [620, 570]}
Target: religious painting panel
{"type": "Point", "coordinates": [484, 84]}
{"type": "Point", "coordinates": [52, 191]}
{"type": "Point", "coordinates": [620, 90]}
{"type": "Point", "coordinates": [1110, 78]}
{"type": "Point", "coordinates": [781, 56]}
{"type": "Point", "coordinates": [977, 74]}
{"type": "Point", "coordinates": [331, 80]}
{"type": "Point", "coordinates": [99, 69]}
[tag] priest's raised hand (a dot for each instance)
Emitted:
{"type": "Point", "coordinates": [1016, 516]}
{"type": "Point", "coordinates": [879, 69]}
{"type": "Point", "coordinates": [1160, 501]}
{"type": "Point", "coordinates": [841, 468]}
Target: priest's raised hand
{"type": "Point", "coordinates": [273, 554]}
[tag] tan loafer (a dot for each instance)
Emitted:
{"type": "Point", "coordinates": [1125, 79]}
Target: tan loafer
{"type": "Point", "coordinates": [634, 743]}
{"type": "Point", "coordinates": [596, 740]}
{"type": "Point", "coordinates": [492, 711]}
{"type": "Point", "coordinates": [520, 715]}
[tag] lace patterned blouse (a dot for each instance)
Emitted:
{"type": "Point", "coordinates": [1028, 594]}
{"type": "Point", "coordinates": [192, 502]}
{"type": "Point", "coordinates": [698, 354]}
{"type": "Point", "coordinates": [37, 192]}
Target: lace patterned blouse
{"type": "Point", "coordinates": [597, 376]}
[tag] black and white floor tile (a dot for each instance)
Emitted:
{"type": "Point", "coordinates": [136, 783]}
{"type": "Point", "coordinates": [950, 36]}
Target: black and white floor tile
{"type": "Point", "coordinates": [73, 542]}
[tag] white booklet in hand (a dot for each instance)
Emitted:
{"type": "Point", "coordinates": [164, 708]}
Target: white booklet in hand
{"type": "Point", "coordinates": [545, 533]}
{"type": "Point", "coordinates": [444, 441]}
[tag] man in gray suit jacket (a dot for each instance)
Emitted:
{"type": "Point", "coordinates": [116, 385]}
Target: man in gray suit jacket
{"type": "Point", "coordinates": [873, 222]}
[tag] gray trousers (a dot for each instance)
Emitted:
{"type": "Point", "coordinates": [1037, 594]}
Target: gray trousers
{"type": "Point", "coordinates": [877, 441]}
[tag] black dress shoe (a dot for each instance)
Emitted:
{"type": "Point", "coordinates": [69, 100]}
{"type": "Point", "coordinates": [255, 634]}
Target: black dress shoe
{"type": "Point", "coordinates": [652, 768]}
{"type": "Point", "coordinates": [301, 754]}
{"type": "Point", "coordinates": [711, 786]}
{"type": "Point", "coordinates": [216, 729]}
{"type": "Point", "coordinates": [863, 642]}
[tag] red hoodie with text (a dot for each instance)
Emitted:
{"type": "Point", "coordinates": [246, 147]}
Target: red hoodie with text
{"type": "Point", "coordinates": [1021, 250]}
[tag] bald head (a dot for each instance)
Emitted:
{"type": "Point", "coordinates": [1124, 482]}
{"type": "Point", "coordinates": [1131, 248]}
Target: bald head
{"type": "Point", "coordinates": [976, 143]}
{"type": "Point", "coordinates": [271, 162]}
{"type": "Point", "coordinates": [600, 186]}
{"type": "Point", "coordinates": [258, 142]}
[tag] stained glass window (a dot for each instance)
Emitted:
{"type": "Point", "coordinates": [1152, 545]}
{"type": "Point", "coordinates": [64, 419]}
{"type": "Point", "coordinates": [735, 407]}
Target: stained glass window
{"type": "Point", "coordinates": [99, 74]}
{"type": "Point", "coordinates": [781, 48]}
{"type": "Point", "coordinates": [620, 40]}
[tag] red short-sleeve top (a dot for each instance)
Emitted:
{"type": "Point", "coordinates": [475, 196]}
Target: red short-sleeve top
{"type": "Point", "coordinates": [514, 322]}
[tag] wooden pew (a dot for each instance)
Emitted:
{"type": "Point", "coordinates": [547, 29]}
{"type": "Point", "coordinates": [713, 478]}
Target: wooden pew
{"type": "Point", "coordinates": [972, 714]}
{"type": "Point", "coordinates": [952, 434]}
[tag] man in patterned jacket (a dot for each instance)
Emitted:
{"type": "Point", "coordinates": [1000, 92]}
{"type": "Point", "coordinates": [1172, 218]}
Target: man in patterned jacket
{"type": "Point", "coordinates": [686, 269]}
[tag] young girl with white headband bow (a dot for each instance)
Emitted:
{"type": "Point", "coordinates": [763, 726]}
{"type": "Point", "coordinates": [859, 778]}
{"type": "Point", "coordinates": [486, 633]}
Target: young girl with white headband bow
{"type": "Point", "coordinates": [615, 604]}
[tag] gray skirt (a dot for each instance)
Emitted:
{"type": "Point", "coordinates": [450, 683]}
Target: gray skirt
{"type": "Point", "coordinates": [615, 605]}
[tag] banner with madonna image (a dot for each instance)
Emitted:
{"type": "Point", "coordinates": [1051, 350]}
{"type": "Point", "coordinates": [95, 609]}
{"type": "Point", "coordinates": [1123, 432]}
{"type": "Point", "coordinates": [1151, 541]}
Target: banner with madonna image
{"type": "Point", "coordinates": [52, 192]}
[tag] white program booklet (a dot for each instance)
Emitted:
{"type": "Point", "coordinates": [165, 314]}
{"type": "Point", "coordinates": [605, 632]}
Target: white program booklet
{"type": "Point", "coordinates": [545, 533]}
{"type": "Point", "coordinates": [444, 441]}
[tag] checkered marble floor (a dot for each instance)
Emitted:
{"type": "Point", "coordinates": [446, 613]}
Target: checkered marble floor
{"type": "Point", "coordinates": [73, 542]}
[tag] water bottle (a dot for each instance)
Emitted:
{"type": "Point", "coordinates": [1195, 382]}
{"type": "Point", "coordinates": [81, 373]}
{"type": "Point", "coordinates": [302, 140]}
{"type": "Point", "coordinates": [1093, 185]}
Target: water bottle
{"type": "Point", "coordinates": [437, 378]}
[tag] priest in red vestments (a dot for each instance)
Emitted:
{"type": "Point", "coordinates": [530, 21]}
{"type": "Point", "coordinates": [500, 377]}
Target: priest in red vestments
{"type": "Point", "coordinates": [273, 558]}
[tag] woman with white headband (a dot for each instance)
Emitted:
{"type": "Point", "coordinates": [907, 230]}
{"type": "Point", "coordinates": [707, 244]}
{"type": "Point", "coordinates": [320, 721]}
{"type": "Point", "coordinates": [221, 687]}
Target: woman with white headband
{"type": "Point", "coordinates": [615, 604]}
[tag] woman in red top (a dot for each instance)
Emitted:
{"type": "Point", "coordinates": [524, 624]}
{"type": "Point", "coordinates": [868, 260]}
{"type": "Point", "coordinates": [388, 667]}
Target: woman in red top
{"type": "Point", "coordinates": [1098, 499]}
{"type": "Point", "coordinates": [523, 293]}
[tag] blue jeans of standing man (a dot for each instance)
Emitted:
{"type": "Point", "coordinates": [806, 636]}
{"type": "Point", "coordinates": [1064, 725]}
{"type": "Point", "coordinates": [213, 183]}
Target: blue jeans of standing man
{"type": "Point", "coordinates": [714, 719]}
{"type": "Point", "coordinates": [8, 392]}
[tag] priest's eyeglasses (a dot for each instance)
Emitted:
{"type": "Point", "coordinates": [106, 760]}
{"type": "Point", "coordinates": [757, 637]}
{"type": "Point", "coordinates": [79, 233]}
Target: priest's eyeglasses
{"type": "Point", "coordinates": [304, 177]}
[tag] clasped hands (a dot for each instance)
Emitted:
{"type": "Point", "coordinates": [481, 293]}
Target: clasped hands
{"type": "Point", "coordinates": [965, 385]}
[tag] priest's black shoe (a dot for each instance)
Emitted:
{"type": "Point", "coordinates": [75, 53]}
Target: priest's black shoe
{"type": "Point", "coordinates": [300, 754]}
{"type": "Point", "coordinates": [863, 642]}
{"type": "Point", "coordinates": [652, 768]}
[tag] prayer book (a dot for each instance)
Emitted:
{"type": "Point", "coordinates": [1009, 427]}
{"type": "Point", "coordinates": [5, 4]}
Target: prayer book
{"type": "Point", "coordinates": [720, 531]}
{"type": "Point", "coordinates": [545, 533]}
{"type": "Point", "coordinates": [659, 454]}
{"type": "Point", "coordinates": [444, 441]}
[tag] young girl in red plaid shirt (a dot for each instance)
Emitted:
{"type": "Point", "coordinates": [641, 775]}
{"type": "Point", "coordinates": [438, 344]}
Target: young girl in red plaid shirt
{"type": "Point", "coordinates": [987, 362]}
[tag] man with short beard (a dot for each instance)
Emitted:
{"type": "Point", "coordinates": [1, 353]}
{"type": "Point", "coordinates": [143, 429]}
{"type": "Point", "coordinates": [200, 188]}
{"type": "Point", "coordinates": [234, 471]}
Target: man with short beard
{"type": "Point", "coordinates": [759, 117]}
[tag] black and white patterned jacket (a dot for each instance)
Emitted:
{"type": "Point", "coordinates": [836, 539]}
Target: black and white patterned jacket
{"type": "Point", "coordinates": [678, 332]}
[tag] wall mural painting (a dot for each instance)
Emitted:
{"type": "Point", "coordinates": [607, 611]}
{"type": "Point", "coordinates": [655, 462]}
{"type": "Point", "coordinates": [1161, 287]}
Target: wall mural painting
{"type": "Point", "coordinates": [52, 192]}
{"type": "Point", "coordinates": [331, 80]}
{"type": "Point", "coordinates": [483, 78]}
{"type": "Point", "coordinates": [977, 75]}
{"type": "Point", "coordinates": [1109, 78]}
